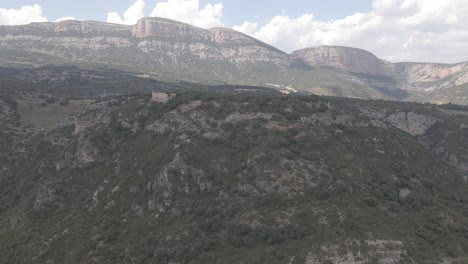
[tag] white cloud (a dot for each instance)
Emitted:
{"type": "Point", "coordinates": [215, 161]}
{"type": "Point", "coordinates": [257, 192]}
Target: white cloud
{"type": "Point", "coordinates": [22, 16]}
{"type": "Point", "coordinates": [131, 15]}
{"type": "Point", "coordinates": [188, 11]}
{"type": "Point", "coordinates": [397, 30]}
{"type": "Point", "coordinates": [65, 19]}
{"type": "Point", "coordinates": [247, 28]}
{"type": "Point", "coordinates": [114, 17]}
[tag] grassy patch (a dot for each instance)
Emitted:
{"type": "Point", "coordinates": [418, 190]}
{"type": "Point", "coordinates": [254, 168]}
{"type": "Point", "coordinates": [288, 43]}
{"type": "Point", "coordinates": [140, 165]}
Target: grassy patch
{"type": "Point", "coordinates": [47, 116]}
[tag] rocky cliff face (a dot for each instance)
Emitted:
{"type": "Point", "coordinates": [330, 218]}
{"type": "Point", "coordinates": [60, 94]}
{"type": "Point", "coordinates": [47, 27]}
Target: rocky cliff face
{"type": "Point", "coordinates": [430, 72]}
{"type": "Point", "coordinates": [416, 77]}
{"type": "Point", "coordinates": [165, 28]}
{"type": "Point", "coordinates": [84, 40]}
{"type": "Point", "coordinates": [67, 28]}
{"type": "Point", "coordinates": [348, 59]}
{"type": "Point", "coordinates": [433, 76]}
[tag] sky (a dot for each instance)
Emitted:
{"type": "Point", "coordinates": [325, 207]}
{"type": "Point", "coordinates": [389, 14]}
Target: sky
{"type": "Point", "coordinates": [395, 30]}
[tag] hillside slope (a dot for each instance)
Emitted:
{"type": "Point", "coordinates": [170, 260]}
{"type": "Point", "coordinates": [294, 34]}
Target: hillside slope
{"type": "Point", "coordinates": [237, 178]}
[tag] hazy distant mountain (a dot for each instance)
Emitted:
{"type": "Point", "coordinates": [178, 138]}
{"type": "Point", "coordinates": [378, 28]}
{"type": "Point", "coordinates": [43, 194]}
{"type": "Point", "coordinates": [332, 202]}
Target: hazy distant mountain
{"type": "Point", "coordinates": [170, 50]}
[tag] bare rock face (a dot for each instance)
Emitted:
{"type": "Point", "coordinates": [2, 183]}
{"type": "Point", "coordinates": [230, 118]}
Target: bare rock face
{"type": "Point", "coordinates": [431, 72]}
{"type": "Point", "coordinates": [349, 59]}
{"type": "Point", "coordinates": [229, 36]}
{"type": "Point", "coordinates": [414, 76]}
{"type": "Point", "coordinates": [63, 42]}
{"type": "Point", "coordinates": [430, 77]}
{"type": "Point", "coordinates": [68, 28]}
{"type": "Point", "coordinates": [168, 29]}
{"type": "Point", "coordinates": [166, 38]}
{"type": "Point", "coordinates": [177, 178]}
{"type": "Point", "coordinates": [49, 197]}
{"type": "Point", "coordinates": [411, 122]}
{"type": "Point", "coordinates": [86, 153]}
{"type": "Point", "coordinates": [376, 251]}
{"type": "Point", "coordinates": [151, 41]}
{"type": "Point", "coordinates": [92, 114]}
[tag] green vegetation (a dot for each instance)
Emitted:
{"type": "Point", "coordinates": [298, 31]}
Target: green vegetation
{"type": "Point", "coordinates": [48, 114]}
{"type": "Point", "coordinates": [235, 178]}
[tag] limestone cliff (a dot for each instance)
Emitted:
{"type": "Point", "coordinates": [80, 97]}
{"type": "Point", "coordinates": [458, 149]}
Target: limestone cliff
{"type": "Point", "coordinates": [349, 59]}
{"type": "Point", "coordinates": [165, 28]}
{"type": "Point", "coordinates": [88, 40]}
{"type": "Point", "coordinates": [440, 75]}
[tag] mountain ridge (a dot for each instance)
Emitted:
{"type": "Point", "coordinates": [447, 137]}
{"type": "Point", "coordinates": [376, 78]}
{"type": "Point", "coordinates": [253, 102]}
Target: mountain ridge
{"type": "Point", "coordinates": [170, 49]}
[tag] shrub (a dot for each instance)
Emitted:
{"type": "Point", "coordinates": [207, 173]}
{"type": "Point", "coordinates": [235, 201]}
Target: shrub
{"type": "Point", "coordinates": [64, 102]}
{"type": "Point", "coordinates": [11, 102]}
{"type": "Point", "coordinates": [371, 202]}
{"type": "Point", "coordinates": [50, 100]}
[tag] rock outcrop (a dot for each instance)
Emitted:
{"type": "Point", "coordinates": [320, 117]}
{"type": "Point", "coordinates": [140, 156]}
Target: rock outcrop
{"type": "Point", "coordinates": [49, 197]}
{"type": "Point", "coordinates": [377, 251]}
{"type": "Point", "coordinates": [165, 28]}
{"type": "Point", "coordinates": [66, 28]}
{"type": "Point", "coordinates": [411, 122]}
{"type": "Point", "coordinates": [349, 59]}
{"type": "Point", "coordinates": [157, 37]}
{"type": "Point", "coordinates": [431, 72]}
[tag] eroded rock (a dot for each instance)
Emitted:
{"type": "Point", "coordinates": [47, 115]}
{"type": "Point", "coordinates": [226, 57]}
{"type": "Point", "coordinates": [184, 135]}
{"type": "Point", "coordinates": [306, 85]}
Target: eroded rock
{"type": "Point", "coordinates": [411, 122]}
{"type": "Point", "coordinates": [50, 196]}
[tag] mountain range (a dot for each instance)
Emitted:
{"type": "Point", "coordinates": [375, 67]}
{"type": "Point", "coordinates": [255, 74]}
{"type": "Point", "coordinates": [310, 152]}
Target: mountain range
{"type": "Point", "coordinates": [168, 50]}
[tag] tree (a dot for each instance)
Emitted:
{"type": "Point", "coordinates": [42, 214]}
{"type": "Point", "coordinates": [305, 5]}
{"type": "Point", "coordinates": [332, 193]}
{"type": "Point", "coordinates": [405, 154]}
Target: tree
{"type": "Point", "coordinates": [64, 101]}
{"type": "Point", "coordinates": [50, 100]}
